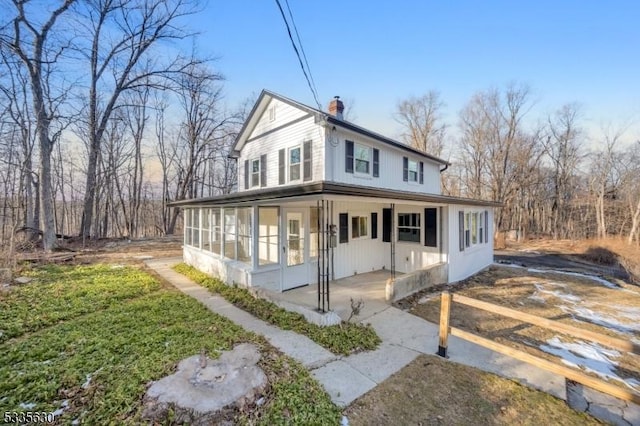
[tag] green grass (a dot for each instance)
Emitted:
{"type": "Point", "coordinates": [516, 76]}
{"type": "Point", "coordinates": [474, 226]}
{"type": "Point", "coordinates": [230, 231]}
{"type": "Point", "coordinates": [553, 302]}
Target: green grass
{"type": "Point", "coordinates": [120, 327]}
{"type": "Point", "coordinates": [342, 339]}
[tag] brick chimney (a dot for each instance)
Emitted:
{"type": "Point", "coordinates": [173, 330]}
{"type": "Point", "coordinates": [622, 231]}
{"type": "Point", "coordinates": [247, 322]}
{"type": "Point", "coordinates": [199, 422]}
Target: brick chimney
{"type": "Point", "coordinates": [336, 108]}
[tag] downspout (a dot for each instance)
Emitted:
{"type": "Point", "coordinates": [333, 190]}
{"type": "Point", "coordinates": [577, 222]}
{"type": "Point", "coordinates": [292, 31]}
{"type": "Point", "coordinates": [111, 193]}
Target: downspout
{"type": "Point", "coordinates": [446, 166]}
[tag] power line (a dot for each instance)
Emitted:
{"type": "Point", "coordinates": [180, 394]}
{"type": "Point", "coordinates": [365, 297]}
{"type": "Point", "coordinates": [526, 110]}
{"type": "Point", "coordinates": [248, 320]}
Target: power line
{"type": "Point", "coordinates": [304, 55]}
{"type": "Point", "coordinates": [307, 75]}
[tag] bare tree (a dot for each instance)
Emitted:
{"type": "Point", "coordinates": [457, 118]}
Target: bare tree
{"type": "Point", "coordinates": [421, 119]}
{"type": "Point", "coordinates": [203, 128]}
{"type": "Point", "coordinates": [562, 148]}
{"type": "Point", "coordinates": [630, 188]}
{"type": "Point", "coordinates": [121, 35]}
{"type": "Point", "coordinates": [35, 45]}
{"type": "Point", "coordinates": [502, 153]}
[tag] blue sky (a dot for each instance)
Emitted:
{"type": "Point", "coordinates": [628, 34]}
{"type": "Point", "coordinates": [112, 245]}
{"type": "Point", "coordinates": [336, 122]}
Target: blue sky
{"type": "Point", "coordinates": [377, 53]}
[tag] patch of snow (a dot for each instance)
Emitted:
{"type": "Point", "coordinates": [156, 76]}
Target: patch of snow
{"type": "Point", "coordinates": [575, 274]}
{"type": "Point", "coordinates": [425, 299]}
{"type": "Point", "coordinates": [60, 410]}
{"type": "Point", "coordinates": [566, 297]}
{"type": "Point", "coordinates": [590, 357]}
{"type": "Point", "coordinates": [88, 378]}
{"type": "Point", "coordinates": [529, 251]}
{"type": "Point", "coordinates": [536, 297]}
{"type": "Point", "coordinates": [508, 265]}
{"type": "Point", "coordinates": [344, 421]}
{"type": "Point", "coordinates": [608, 321]}
{"type": "Point", "coordinates": [27, 405]}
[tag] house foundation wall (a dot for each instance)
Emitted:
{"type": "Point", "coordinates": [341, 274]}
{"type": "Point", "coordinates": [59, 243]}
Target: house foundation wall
{"type": "Point", "coordinates": [228, 271]}
{"type": "Point", "coordinates": [406, 285]}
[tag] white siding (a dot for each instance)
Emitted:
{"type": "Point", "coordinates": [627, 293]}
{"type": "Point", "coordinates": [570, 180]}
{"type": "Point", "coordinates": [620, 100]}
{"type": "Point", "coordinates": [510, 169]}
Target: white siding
{"type": "Point", "coordinates": [286, 137]}
{"type": "Point", "coordinates": [366, 254]}
{"type": "Point", "coordinates": [283, 114]}
{"type": "Point", "coordinates": [412, 256]}
{"type": "Point", "coordinates": [463, 264]}
{"type": "Point", "coordinates": [391, 166]}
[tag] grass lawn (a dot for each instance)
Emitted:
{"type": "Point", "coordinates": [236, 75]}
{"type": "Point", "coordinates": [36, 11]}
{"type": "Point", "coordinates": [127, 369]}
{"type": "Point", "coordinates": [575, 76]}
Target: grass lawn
{"type": "Point", "coordinates": [432, 391]}
{"type": "Point", "coordinates": [86, 340]}
{"type": "Point", "coordinates": [342, 339]}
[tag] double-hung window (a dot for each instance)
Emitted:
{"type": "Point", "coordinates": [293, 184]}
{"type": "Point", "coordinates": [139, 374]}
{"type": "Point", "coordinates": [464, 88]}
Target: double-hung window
{"type": "Point", "coordinates": [255, 172]}
{"type": "Point", "coordinates": [413, 171]}
{"type": "Point", "coordinates": [359, 226]}
{"type": "Point", "coordinates": [362, 158]}
{"type": "Point", "coordinates": [294, 163]}
{"type": "Point", "coordinates": [409, 227]}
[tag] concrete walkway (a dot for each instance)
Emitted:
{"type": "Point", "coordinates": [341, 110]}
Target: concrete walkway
{"type": "Point", "coordinates": [404, 337]}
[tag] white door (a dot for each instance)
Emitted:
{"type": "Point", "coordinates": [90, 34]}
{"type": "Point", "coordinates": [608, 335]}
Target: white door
{"type": "Point", "coordinates": [295, 252]}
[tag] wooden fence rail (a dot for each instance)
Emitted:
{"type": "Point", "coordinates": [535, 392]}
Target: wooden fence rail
{"type": "Point", "coordinates": [567, 372]}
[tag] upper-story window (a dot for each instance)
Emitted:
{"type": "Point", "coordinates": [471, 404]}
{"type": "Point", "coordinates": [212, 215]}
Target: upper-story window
{"type": "Point", "coordinates": [412, 171]}
{"type": "Point", "coordinates": [361, 159]}
{"type": "Point", "coordinates": [255, 172]}
{"type": "Point", "coordinates": [294, 163]}
{"type": "Point", "coordinates": [272, 113]}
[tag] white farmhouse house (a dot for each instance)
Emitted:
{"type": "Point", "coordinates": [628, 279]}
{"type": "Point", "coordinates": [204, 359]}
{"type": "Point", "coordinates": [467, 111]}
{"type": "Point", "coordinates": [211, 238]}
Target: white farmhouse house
{"type": "Point", "coordinates": [320, 199]}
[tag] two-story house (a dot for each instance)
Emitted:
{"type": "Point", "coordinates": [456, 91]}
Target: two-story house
{"type": "Point", "coordinates": [320, 198]}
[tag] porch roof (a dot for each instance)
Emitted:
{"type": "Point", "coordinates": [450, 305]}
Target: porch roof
{"type": "Point", "coordinates": [320, 189]}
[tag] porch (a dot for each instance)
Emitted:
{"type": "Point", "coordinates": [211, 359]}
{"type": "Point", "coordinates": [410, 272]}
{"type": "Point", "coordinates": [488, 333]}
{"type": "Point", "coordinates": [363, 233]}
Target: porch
{"type": "Point", "coordinates": [368, 286]}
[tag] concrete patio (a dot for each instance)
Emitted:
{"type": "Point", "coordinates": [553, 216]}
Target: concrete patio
{"type": "Point", "coordinates": [368, 287]}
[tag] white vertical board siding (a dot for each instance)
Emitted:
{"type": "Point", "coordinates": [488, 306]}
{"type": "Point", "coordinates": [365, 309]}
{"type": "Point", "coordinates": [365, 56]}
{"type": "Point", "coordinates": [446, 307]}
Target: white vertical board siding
{"type": "Point", "coordinates": [366, 254]}
{"type": "Point", "coordinates": [391, 176]}
{"type": "Point", "coordinates": [411, 256]}
{"type": "Point", "coordinates": [359, 255]}
{"type": "Point", "coordinates": [289, 136]}
{"type": "Point", "coordinates": [463, 264]}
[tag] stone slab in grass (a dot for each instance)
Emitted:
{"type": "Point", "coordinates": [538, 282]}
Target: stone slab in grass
{"type": "Point", "coordinates": [201, 386]}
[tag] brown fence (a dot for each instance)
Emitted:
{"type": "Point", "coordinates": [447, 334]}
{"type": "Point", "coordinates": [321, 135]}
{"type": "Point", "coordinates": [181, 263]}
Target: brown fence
{"type": "Point", "coordinates": [568, 373]}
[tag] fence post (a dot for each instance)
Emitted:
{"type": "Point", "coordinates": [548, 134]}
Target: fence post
{"type": "Point", "coordinates": [445, 308]}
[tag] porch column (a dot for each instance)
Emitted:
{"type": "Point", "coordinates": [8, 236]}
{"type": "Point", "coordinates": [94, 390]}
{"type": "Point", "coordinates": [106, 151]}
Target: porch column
{"type": "Point", "coordinates": [392, 243]}
{"type": "Point", "coordinates": [254, 237]}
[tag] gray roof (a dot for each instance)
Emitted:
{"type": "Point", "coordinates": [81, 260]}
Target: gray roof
{"type": "Point", "coordinates": [328, 118]}
{"type": "Point", "coordinates": [326, 188]}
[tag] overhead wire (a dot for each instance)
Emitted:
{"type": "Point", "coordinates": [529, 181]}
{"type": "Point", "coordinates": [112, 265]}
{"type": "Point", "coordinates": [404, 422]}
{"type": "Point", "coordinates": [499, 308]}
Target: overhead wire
{"type": "Point", "coordinates": [306, 71]}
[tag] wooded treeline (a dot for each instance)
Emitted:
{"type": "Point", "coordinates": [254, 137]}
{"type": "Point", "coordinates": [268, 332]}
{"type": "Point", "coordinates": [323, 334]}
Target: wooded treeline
{"type": "Point", "coordinates": [104, 119]}
{"type": "Point", "coordinates": [554, 179]}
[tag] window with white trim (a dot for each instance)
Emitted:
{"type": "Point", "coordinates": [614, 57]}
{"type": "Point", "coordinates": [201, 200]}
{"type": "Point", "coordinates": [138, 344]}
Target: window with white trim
{"type": "Point", "coordinates": [362, 158]}
{"type": "Point", "coordinates": [359, 226]}
{"type": "Point", "coordinates": [294, 163]}
{"type": "Point", "coordinates": [409, 227]}
{"type": "Point", "coordinates": [413, 171]}
{"type": "Point", "coordinates": [255, 172]}
{"type": "Point", "coordinates": [473, 228]}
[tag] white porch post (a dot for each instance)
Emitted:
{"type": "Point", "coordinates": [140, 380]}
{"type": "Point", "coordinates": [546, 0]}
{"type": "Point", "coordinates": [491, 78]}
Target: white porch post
{"type": "Point", "coordinates": [254, 237]}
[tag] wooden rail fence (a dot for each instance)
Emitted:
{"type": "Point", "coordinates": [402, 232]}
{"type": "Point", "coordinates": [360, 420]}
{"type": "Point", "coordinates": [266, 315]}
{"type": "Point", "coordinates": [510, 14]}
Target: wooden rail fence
{"type": "Point", "coordinates": [569, 373]}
